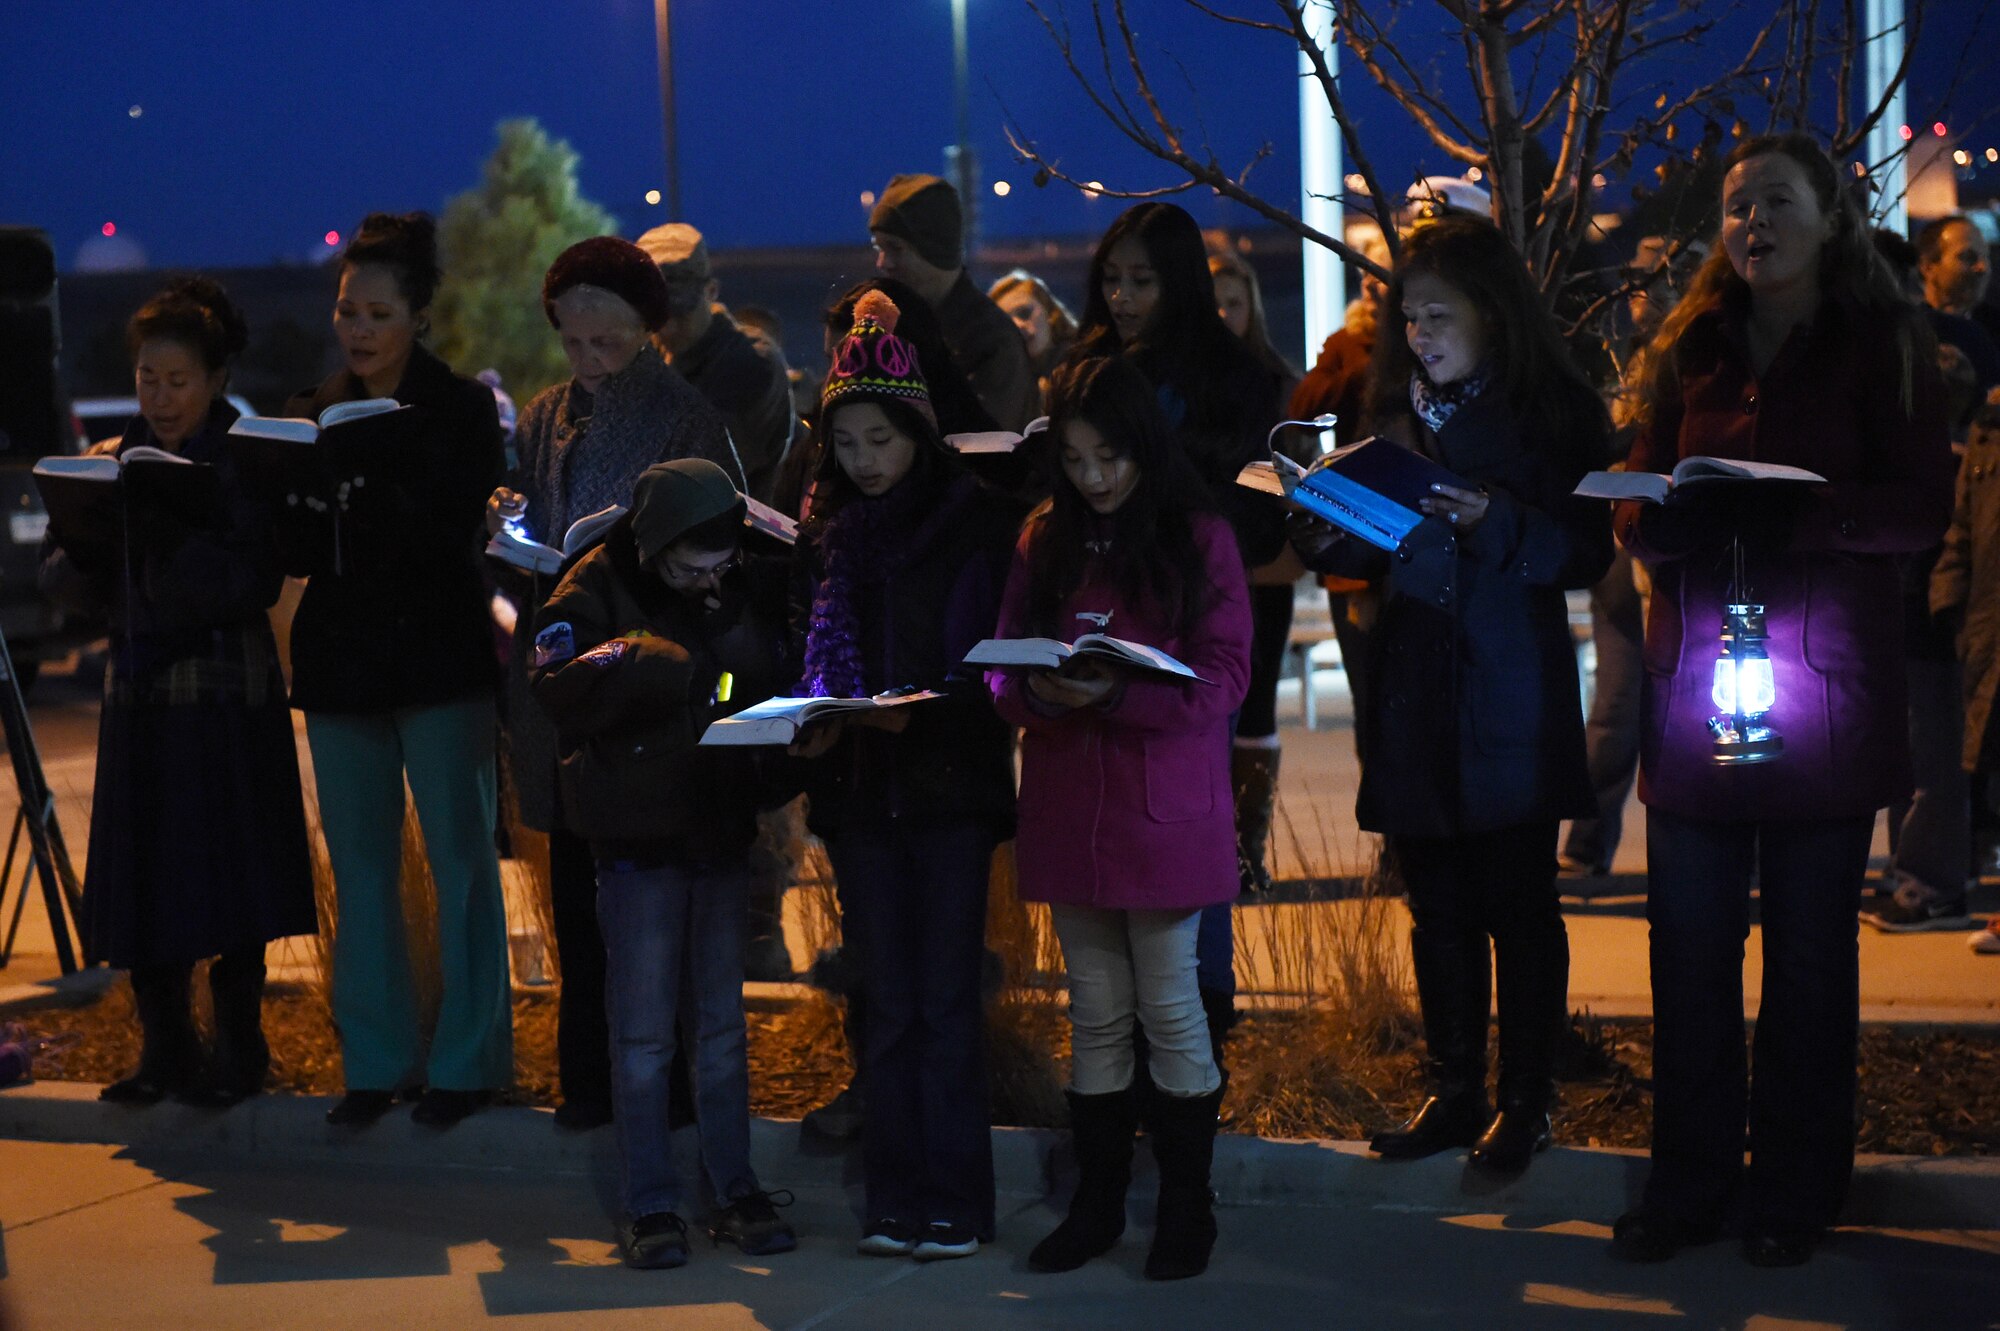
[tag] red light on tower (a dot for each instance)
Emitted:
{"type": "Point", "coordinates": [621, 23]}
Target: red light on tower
{"type": "Point", "coordinates": [109, 229]}
{"type": "Point", "coordinates": [1938, 129]}
{"type": "Point", "coordinates": [331, 238]}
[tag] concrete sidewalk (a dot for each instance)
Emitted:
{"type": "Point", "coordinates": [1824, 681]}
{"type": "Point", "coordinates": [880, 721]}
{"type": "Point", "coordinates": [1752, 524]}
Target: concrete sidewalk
{"type": "Point", "coordinates": [97, 1237]}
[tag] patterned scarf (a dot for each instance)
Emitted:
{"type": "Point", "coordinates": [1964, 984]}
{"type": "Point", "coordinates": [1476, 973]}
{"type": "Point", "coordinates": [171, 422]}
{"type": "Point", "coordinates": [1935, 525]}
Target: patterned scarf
{"type": "Point", "coordinates": [861, 543]}
{"type": "Point", "coordinates": [1435, 404]}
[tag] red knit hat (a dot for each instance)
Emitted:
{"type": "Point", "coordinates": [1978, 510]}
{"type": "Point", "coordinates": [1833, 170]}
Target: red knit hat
{"type": "Point", "coordinates": [610, 264]}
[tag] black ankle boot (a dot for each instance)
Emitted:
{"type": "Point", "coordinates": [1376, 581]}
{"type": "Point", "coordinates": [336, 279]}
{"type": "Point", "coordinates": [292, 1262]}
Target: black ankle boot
{"type": "Point", "coordinates": [170, 1054]}
{"type": "Point", "coordinates": [1102, 1128]}
{"type": "Point", "coordinates": [1453, 985]}
{"type": "Point", "coordinates": [1511, 1140]}
{"type": "Point", "coordinates": [1451, 1118]}
{"type": "Point", "coordinates": [1182, 1130]}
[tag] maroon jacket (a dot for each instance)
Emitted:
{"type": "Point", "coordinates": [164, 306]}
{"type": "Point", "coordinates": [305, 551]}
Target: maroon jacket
{"type": "Point", "coordinates": [1830, 401]}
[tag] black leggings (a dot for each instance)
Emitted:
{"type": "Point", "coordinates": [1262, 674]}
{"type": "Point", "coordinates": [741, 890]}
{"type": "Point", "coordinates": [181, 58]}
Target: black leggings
{"type": "Point", "coordinates": [1270, 630]}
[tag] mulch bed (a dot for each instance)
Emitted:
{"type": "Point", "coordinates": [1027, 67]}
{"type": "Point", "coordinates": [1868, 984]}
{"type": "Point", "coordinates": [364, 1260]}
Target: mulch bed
{"type": "Point", "coordinates": [1294, 1073]}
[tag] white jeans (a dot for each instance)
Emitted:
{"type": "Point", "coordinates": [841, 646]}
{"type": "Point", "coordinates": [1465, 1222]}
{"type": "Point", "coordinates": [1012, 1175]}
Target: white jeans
{"type": "Point", "coordinates": [1124, 963]}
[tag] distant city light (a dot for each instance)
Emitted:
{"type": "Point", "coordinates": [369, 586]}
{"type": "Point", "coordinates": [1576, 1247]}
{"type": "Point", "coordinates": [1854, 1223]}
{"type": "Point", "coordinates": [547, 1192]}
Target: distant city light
{"type": "Point", "coordinates": [1938, 129]}
{"type": "Point", "coordinates": [1962, 157]}
{"type": "Point", "coordinates": [1093, 188]}
{"type": "Point", "coordinates": [868, 198]}
{"type": "Point", "coordinates": [1002, 188]}
{"type": "Point", "coordinates": [1906, 132]}
{"type": "Point", "coordinates": [1474, 174]}
{"type": "Point", "coordinates": [135, 110]}
{"type": "Point", "coordinates": [1993, 154]}
{"type": "Point", "coordinates": [652, 196]}
{"type": "Point", "coordinates": [331, 238]}
{"type": "Point", "coordinates": [109, 229]}
{"type": "Point", "coordinates": [1597, 181]}
{"type": "Point", "coordinates": [1357, 181]}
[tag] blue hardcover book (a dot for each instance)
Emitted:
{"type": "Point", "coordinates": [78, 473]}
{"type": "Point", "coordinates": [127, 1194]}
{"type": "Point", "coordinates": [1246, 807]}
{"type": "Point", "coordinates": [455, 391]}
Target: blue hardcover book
{"type": "Point", "coordinates": [1371, 489]}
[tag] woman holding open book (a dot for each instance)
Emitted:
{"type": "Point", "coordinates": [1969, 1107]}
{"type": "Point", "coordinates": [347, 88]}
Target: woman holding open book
{"type": "Point", "coordinates": [582, 446]}
{"type": "Point", "coordinates": [901, 563]}
{"type": "Point", "coordinates": [392, 663]}
{"type": "Point", "coordinates": [197, 831]}
{"type": "Point", "coordinates": [1793, 346]}
{"type": "Point", "coordinates": [1126, 822]}
{"type": "Point", "coordinates": [1474, 724]}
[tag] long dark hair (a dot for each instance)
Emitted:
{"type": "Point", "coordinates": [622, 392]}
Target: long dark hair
{"type": "Point", "coordinates": [958, 409]}
{"type": "Point", "coordinates": [1851, 273]}
{"type": "Point", "coordinates": [1549, 395]}
{"type": "Point", "coordinates": [1201, 368]}
{"type": "Point", "coordinates": [1152, 554]}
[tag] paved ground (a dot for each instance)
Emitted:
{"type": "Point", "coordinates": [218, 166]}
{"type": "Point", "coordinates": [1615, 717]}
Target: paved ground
{"type": "Point", "coordinates": [95, 1238]}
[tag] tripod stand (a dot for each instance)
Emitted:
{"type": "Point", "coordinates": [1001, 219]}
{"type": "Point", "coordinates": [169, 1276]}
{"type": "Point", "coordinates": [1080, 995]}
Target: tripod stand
{"type": "Point", "coordinates": [48, 855]}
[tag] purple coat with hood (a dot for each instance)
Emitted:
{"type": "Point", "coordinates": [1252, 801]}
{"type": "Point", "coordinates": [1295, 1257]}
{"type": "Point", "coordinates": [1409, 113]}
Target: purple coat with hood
{"type": "Point", "coordinates": [1128, 806]}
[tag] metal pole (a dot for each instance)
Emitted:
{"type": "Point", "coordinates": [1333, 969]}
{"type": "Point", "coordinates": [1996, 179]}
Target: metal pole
{"type": "Point", "coordinates": [1882, 53]}
{"type": "Point", "coordinates": [663, 29]}
{"type": "Point", "coordinates": [1321, 182]}
{"type": "Point", "coordinates": [964, 175]}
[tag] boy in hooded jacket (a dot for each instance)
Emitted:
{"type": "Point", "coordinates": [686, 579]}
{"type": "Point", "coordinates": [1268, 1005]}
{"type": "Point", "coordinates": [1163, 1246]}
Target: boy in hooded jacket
{"type": "Point", "coordinates": [651, 634]}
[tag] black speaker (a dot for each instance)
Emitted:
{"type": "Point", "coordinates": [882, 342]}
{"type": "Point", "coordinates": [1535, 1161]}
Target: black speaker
{"type": "Point", "coordinates": [27, 265]}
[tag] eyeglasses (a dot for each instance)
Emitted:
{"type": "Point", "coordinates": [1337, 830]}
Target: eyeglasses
{"type": "Point", "coordinates": [675, 571]}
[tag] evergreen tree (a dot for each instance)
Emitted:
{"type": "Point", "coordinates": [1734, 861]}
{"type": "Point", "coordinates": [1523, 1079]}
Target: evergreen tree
{"type": "Point", "coordinates": [497, 241]}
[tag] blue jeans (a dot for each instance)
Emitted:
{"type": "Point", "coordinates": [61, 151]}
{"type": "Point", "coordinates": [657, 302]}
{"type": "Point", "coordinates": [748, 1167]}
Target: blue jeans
{"type": "Point", "coordinates": [672, 930]}
{"type": "Point", "coordinates": [1798, 1098]}
{"type": "Point", "coordinates": [915, 915]}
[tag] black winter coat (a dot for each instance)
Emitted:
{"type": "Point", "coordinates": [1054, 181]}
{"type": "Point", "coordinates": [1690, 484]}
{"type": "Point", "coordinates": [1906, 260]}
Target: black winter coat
{"type": "Point", "coordinates": [1474, 721]}
{"type": "Point", "coordinates": [940, 598]}
{"type": "Point", "coordinates": [628, 670]}
{"type": "Point", "coordinates": [403, 622]}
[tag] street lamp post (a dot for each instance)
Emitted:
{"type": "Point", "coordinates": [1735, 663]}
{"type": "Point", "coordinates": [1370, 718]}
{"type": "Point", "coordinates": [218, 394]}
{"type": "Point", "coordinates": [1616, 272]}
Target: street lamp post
{"type": "Point", "coordinates": [663, 29]}
{"type": "Point", "coordinates": [961, 169]}
{"type": "Point", "coordinates": [1887, 153]}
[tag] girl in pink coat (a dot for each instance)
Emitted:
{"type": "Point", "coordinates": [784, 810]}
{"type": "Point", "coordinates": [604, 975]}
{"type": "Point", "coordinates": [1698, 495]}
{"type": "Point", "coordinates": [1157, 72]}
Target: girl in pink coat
{"type": "Point", "coordinates": [1127, 825]}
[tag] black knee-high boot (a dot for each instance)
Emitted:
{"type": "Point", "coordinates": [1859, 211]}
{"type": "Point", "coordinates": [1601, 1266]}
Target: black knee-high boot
{"type": "Point", "coordinates": [1102, 1128]}
{"type": "Point", "coordinates": [1182, 1131]}
{"type": "Point", "coordinates": [236, 1070]}
{"type": "Point", "coordinates": [169, 1055]}
{"type": "Point", "coordinates": [1453, 988]}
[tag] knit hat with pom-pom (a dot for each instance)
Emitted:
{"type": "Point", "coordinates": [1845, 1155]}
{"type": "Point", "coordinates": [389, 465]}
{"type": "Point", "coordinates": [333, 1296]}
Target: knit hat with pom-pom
{"type": "Point", "coordinates": [873, 364]}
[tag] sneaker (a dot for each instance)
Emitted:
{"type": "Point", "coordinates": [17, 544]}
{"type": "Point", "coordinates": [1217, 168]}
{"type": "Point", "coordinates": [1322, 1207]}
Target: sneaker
{"type": "Point", "coordinates": [887, 1238]}
{"type": "Point", "coordinates": [655, 1242]}
{"type": "Point", "coordinates": [752, 1223]}
{"type": "Point", "coordinates": [1916, 908]}
{"type": "Point", "coordinates": [1987, 940]}
{"type": "Point", "coordinates": [943, 1240]}
{"type": "Point", "coordinates": [441, 1109]}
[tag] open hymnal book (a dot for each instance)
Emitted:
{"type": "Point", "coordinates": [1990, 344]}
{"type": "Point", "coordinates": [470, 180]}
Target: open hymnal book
{"type": "Point", "coordinates": [779, 720]}
{"type": "Point", "coordinates": [95, 501]}
{"type": "Point", "coordinates": [1054, 654]}
{"type": "Point", "coordinates": [1654, 488]}
{"type": "Point", "coordinates": [1369, 489]}
{"type": "Point", "coordinates": [513, 546]}
{"type": "Point", "coordinates": [299, 430]}
{"type": "Point", "coordinates": [770, 522]}
{"type": "Point", "coordinates": [995, 441]}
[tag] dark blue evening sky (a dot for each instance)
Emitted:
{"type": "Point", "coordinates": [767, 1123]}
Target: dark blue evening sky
{"type": "Point", "coordinates": [267, 124]}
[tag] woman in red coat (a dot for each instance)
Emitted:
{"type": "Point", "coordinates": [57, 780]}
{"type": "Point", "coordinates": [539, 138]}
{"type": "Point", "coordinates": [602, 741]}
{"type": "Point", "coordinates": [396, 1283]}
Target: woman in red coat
{"type": "Point", "coordinates": [1126, 822]}
{"type": "Point", "coordinates": [1793, 346]}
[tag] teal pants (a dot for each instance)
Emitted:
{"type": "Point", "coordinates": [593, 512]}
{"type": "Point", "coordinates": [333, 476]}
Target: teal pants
{"type": "Point", "coordinates": [360, 760]}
